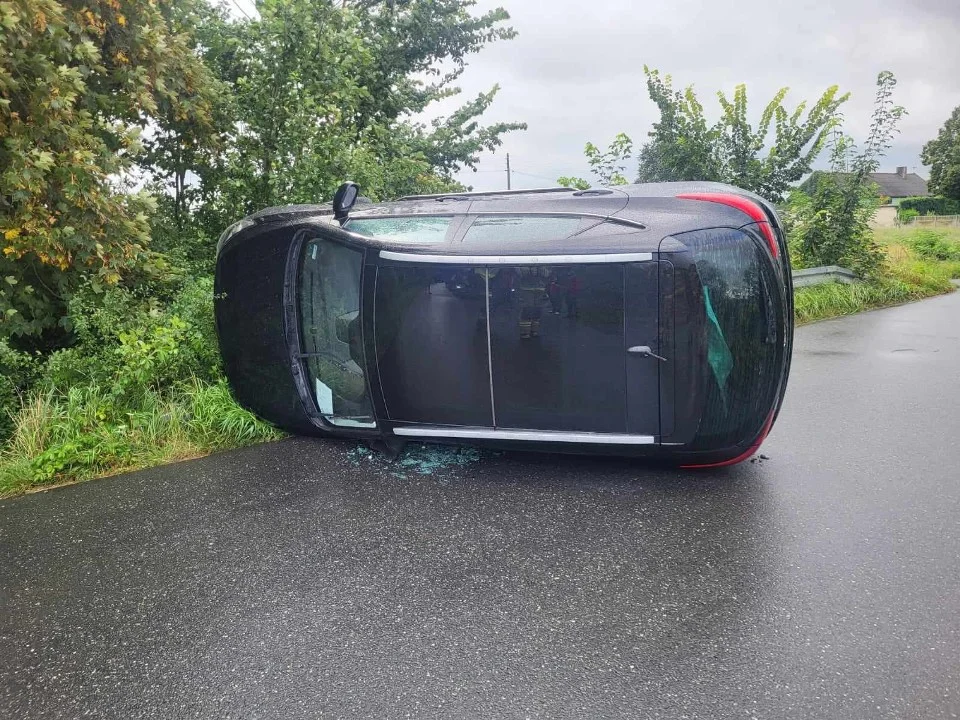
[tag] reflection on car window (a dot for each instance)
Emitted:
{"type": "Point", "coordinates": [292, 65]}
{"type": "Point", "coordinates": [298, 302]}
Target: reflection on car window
{"type": "Point", "coordinates": [425, 230]}
{"type": "Point", "coordinates": [522, 227]}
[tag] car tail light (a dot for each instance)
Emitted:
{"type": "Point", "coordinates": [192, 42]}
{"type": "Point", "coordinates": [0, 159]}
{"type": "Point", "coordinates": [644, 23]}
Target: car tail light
{"type": "Point", "coordinates": [746, 205]}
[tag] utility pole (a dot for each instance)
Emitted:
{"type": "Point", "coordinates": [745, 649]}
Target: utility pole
{"type": "Point", "coordinates": [508, 171]}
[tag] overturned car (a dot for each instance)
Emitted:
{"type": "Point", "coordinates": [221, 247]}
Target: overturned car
{"type": "Point", "coordinates": [648, 320]}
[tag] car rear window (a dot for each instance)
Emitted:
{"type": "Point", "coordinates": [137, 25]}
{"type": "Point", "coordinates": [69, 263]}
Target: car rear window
{"type": "Point", "coordinates": [743, 332]}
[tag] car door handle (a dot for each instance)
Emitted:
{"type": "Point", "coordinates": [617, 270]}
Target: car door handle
{"type": "Point", "coordinates": [645, 351]}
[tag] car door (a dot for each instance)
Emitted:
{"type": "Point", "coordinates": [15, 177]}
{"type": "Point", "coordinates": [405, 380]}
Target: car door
{"type": "Point", "coordinates": [557, 347]}
{"type": "Point", "coordinates": [647, 358]}
{"type": "Point", "coordinates": [431, 342]}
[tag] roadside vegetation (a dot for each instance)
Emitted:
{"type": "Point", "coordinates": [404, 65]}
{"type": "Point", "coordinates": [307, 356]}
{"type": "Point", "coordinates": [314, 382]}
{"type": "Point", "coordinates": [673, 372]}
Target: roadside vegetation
{"type": "Point", "coordinates": [132, 132]}
{"type": "Point", "coordinates": [140, 386]}
{"type": "Point", "coordinates": [918, 264]}
{"type": "Point", "coordinates": [828, 221]}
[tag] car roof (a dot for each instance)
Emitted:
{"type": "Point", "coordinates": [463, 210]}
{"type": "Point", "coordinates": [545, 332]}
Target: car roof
{"type": "Point", "coordinates": [629, 217]}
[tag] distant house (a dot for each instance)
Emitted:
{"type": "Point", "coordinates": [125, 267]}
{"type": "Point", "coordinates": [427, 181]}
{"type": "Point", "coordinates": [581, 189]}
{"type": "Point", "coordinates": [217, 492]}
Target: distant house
{"type": "Point", "coordinates": [896, 185]}
{"type": "Point", "coordinates": [900, 184]}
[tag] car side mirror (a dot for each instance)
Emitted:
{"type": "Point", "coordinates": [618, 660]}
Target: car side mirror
{"type": "Point", "coordinates": [344, 199]}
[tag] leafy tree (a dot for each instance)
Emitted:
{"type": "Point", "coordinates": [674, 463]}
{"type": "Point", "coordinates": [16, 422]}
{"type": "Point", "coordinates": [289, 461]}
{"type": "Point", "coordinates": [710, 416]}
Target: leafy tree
{"type": "Point", "coordinates": [831, 225]}
{"type": "Point", "coordinates": [78, 83]}
{"type": "Point", "coordinates": [943, 155]}
{"type": "Point", "coordinates": [324, 91]}
{"type": "Point", "coordinates": [572, 181]}
{"type": "Point", "coordinates": [609, 166]}
{"type": "Point", "coordinates": [178, 144]}
{"type": "Point", "coordinates": [684, 146]}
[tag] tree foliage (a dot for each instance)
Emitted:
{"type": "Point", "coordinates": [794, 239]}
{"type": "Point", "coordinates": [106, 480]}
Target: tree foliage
{"type": "Point", "coordinates": [133, 131]}
{"type": "Point", "coordinates": [943, 156]}
{"type": "Point", "coordinates": [572, 181]}
{"type": "Point", "coordinates": [830, 226]}
{"type": "Point", "coordinates": [683, 145]}
{"type": "Point", "coordinates": [607, 165]}
{"type": "Point", "coordinates": [221, 116]}
{"type": "Point", "coordinates": [324, 91]}
{"type": "Point", "coordinates": [78, 83]}
{"type": "Point", "coordinates": [610, 165]}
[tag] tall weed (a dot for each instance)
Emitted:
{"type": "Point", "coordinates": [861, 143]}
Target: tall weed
{"type": "Point", "coordinates": [82, 433]}
{"type": "Point", "coordinates": [216, 421]}
{"type": "Point", "coordinates": [933, 245]}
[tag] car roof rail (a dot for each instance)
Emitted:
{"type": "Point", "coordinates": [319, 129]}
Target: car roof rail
{"type": "Point", "coordinates": [486, 193]}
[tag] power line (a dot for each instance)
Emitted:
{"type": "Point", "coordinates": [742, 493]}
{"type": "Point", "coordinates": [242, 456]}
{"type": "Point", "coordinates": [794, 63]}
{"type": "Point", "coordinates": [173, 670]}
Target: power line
{"type": "Point", "coordinates": [242, 11]}
{"type": "Point", "coordinates": [519, 172]}
{"type": "Point", "coordinates": [539, 177]}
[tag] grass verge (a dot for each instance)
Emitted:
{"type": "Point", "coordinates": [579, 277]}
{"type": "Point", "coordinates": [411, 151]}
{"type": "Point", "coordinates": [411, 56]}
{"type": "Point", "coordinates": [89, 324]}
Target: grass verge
{"type": "Point", "coordinates": [67, 437]}
{"type": "Point", "coordinates": [914, 271]}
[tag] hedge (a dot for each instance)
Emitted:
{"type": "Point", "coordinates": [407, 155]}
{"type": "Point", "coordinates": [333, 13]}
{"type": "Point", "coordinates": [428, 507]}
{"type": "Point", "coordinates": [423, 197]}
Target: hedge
{"type": "Point", "coordinates": [931, 205]}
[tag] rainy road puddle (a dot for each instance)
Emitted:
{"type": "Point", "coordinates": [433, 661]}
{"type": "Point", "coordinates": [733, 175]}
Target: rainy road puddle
{"type": "Point", "coordinates": [420, 459]}
{"type": "Point", "coordinates": [910, 354]}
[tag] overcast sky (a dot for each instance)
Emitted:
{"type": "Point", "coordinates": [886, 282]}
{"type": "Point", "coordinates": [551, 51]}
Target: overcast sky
{"type": "Point", "coordinates": [575, 72]}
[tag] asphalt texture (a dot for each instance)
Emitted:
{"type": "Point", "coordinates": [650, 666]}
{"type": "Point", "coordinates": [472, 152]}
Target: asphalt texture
{"type": "Point", "coordinates": [306, 579]}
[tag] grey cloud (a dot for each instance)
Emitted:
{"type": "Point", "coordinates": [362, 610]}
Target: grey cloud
{"type": "Point", "coordinates": [575, 72]}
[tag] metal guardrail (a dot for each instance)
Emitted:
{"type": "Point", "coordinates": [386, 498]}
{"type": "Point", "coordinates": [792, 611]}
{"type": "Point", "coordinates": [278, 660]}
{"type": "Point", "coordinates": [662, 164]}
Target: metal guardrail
{"type": "Point", "coordinates": [820, 275]}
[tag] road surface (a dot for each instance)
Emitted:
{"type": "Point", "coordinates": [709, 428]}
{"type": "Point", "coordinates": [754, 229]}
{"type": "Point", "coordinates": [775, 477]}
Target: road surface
{"type": "Point", "coordinates": [305, 579]}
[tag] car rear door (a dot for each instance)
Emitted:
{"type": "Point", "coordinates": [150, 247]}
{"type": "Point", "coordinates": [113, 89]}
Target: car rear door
{"type": "Point", "coordinates": [646, 357]}
{"type": "Point", "coordinates": [557, 347]}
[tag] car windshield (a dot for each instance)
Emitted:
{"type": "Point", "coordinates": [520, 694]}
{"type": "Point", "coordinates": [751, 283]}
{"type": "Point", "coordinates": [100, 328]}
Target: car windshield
{"type": "Point", "coordinates": [426, 230]}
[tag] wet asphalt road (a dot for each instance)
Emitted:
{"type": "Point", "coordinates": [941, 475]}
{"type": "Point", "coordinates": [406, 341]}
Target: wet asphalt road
{"type": "Point", "coordinates": [300, 580]}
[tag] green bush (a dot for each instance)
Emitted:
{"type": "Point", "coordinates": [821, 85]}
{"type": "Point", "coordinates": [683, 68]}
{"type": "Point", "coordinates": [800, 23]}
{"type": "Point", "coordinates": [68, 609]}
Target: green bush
{"type": "Point", "coordinates": [128, 344]}
{"type": "Point", "coordinates": [905, 214]}
{"type": "Point", "coordinates": [141, 385]}
{"type": "Point", "coordinates": [18, 372]}
{"type": "Point", "coordinates": [194, 305]}
{"type": "Point", "coordinates": [931, 205]}
{"type": "Point", "coordinates": [75, 434]}
{"type": "Point", "coordinates": [933, 245]}
{"type": "Point", "coordinates": [832, 228]}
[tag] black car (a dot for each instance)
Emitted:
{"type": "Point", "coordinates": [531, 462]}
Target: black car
{"type": "Point", "coordinates": [648, 320]}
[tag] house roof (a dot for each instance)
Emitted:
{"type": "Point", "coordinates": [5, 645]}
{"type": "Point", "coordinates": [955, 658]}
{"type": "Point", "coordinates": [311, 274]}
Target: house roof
{"type": "Point", "coordinates": [895, 185]}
